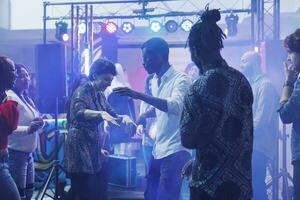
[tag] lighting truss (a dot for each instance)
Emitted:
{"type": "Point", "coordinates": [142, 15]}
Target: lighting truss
{"type": "Point", "coordinates": [267, 17]}
{"type": "Point", "coordinates": [119, 11]}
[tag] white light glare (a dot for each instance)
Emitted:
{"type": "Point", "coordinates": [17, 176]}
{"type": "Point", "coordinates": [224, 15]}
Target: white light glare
{"type": "Point", "coordinates": [86, 61]}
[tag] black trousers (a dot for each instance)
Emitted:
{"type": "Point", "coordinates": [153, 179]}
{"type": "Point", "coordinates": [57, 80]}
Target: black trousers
{"type": "Point", "coordinates": [89, 186]}
{"type": "Point", "coordinates": [197, 194]}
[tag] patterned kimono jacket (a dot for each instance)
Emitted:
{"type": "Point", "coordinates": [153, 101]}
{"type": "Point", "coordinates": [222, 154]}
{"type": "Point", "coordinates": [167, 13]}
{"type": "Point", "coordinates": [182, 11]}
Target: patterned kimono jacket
{"type": "Point", "coordinates": [83, 143]}
{"type": "Point", "coordinates": [217, 122]}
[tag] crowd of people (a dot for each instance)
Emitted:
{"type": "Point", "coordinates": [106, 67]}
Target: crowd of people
{"type": "Point", "coordinates": [229, 118]}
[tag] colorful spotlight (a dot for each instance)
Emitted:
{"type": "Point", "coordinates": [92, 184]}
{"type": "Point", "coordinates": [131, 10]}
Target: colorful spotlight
{"type": "Point", "coordinates": [186, 25]}
{"type": "Point", "coordinates": [65, 37]}
{"type": "Point", "coordinates": [127, 27]}
{"type": "Point", "coordinates": [111, 27]}
{"type": "Point", "coordinates": [155, 26]}
{"type": "Point", "coordinates": [171, 26]}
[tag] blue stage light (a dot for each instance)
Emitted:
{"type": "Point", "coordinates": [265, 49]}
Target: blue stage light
{"type": "Point", "coordinates": [171, 26]}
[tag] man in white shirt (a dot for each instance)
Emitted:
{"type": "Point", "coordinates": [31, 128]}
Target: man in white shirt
{"type": "Point", "coordinates": [168, 90]}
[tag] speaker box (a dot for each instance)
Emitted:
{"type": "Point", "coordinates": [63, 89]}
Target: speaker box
{"type": "Point", "coordinates": [122, 171]}
{"type": "Point", "coordinates": [51, 70]}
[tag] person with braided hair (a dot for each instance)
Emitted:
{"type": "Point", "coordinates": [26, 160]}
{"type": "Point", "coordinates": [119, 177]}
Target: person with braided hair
{"type": "Point", "coordinates": [217, 119]}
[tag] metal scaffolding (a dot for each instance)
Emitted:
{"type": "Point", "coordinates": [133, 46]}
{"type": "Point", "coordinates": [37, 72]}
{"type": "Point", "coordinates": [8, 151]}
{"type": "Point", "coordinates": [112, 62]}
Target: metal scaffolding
{"type": "Point", "coordinates": [89, 12]}
{"type": "Point", "coordinates": [264, 16]}
{"type": "Point", "coordinates": [268, 19]}
{"type": "Point", "coordinates": [138, 9]}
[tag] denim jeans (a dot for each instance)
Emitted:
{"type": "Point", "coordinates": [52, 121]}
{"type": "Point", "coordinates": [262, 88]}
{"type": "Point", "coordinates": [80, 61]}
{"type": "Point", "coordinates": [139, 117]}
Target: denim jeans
{"type": "Point", "coordinates": [21, 167]}
{"type": "Point", "coordinates": [164, 177]}
{"type": "Point", "coordinates": [296, 179]}
{"type": "Point", "coordinates": [8, 188]}
{"type": "Point", "coordinates": [89, 186]}
{"type": "Point", "coordinates": [147, 154]}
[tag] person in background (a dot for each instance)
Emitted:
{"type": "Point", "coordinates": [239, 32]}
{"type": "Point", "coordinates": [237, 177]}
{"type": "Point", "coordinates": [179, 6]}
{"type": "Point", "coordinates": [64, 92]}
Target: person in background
{"type": "Point", "coordinates": [265, 121]}
{"type": "Point", "coordinates": [145, 126]}
{"type": "Point", "coordinates": [289, 110]}
{"type": "Point", "coordinates": [217, 119]}
{"type": "Point", "coordinates": [83, 146]}
{"type": "Point", "coordinates": [9, 117]}
{"type": "Point", "coordinates": [168, 87]}
{"type": "Point", "coordinates": [23, 142]}
{"type": "Point", "coordinates": [120, 136]}
{"type": "Point", "coordinates": [32, 91]}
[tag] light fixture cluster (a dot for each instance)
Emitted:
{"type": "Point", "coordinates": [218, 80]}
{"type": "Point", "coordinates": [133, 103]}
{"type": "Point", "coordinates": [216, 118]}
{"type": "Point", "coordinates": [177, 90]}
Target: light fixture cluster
{"type": "Point", "coordinates": [155, 26]}
{"type": "Point", "coordinates": [111, 27]}
{"type": "Point", "coordinates": [127, 27]}
{"type": "Point", "coordinates": [171, 26]}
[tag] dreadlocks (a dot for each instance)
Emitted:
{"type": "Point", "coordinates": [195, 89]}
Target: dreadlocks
{"type": "Point", "coordinates": [205, 35]}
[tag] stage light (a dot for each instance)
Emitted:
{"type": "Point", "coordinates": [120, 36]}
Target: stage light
{"type": "Point", "coordinates": [171, 26]}
{"type": "Point", "coordinates": [127, 27]}
{"type": "Point", "coordinates": [65, 37]}
{"type": "Point", "coordinates": [81, 28]}
{"type": "Point", "coordinates": [61, 31]}
{"type": "Point", "coordinates": [186, 25]}
{"type": "Point", "coordinates": [231, 22]}
{"type": "Point", "coordinates": [226, 31]}
{"type": "Point", "coordinates": [155, 26]}
{"type": "Point", "coordinates": [98, 27]}
{"type": "Point", "coordinates": [256, 49]}
{"type": "Point", "coordinates": [111, 27]}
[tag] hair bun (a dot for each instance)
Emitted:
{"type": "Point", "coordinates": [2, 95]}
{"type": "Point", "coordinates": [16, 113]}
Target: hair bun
{"type": "Point", "coordinates": [211, 16]}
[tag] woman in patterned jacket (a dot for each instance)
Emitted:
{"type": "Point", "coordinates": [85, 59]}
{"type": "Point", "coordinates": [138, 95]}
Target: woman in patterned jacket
{"type": "Point", "coordinates": [88, 108]}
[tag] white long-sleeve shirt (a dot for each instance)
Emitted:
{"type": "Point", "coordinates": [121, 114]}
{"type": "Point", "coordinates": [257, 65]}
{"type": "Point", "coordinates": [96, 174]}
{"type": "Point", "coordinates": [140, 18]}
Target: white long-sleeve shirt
{"type": "Point", "coordinates": [20, 140]}
{"type": "Point", "coordinates": [173, 87]}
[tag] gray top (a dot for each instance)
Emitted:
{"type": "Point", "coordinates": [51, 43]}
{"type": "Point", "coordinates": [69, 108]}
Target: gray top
{"type": "Point", "coordinates": [265, 116]}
